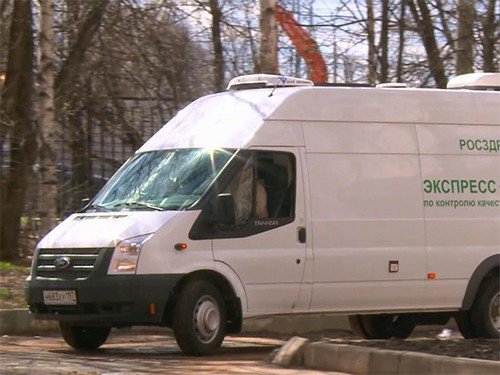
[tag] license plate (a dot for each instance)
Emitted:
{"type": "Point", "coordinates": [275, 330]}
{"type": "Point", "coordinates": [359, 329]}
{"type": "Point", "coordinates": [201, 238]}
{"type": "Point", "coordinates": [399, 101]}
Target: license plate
{"type": "Point", "coordinates": [59, 297]}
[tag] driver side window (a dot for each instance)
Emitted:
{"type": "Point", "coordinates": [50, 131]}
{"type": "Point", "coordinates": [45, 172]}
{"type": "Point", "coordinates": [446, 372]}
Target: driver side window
{"type": "Point", "coordinates": [262, 195]}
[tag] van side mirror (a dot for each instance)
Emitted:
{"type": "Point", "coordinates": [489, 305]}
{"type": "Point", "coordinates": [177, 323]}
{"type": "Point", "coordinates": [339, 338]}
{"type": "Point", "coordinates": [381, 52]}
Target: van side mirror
{"type": "Point", "coordinates": [85, 202]}
{"type": "Point", "coordinates": [224, 209]}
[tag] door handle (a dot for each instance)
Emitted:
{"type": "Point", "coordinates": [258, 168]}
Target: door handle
{"type": "Point", "coordinates": [302, 234]}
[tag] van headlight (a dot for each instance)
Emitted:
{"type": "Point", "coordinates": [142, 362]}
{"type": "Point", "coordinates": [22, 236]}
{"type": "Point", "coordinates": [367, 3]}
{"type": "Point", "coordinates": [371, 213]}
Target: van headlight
{"type": "Point", "coordinates": [126, 255]}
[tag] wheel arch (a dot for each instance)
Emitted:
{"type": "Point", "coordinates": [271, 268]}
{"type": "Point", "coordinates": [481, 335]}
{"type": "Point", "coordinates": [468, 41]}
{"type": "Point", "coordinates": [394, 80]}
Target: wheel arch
{"type": "Point", "coordinates": [232, 301]}
{"type": "Point", "coordinates": [487, 268]}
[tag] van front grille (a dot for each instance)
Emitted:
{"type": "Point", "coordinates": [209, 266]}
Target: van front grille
{"type": "Point", "coordinates": [66, 264]}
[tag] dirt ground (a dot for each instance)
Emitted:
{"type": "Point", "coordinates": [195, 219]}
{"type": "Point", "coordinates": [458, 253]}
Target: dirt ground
{"type": "Point", "coordinates": [426, 341]}
{"type": "Point", "coordinates": [139, 354]}
{"type": "Point", "coordinates": [12, 276]}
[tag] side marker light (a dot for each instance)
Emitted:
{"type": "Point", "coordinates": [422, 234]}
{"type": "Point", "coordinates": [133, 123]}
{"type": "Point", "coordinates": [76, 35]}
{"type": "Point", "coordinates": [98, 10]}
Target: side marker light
{"type": "Point", "coordinates": [152, 309]}
{"type": "Point", "coordinates": [180, 246]}
{"type": "Point", "coordinates": [431, 276]}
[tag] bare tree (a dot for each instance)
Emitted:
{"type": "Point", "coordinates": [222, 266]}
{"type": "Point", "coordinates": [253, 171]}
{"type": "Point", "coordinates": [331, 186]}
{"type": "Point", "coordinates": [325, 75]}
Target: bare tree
{"type": "Point", "coordinates": [217, 44]}
{"type": "Point", "coordinates": [444, 19]}
{"type": "Point", "coordinates": [401, 42]}
{"type": "Point", "coordinates": [18, 124]}
{"type": "Point", "coordinates": [425, 29]}
{"type": "Point", "coordinates": [370, 32]}
{"type": "Point", "coordinates": [71, 66]}
{"type": "Point", "coordinates": [68, 88]}
{"type": "Point", "coordinates": [384, 42]}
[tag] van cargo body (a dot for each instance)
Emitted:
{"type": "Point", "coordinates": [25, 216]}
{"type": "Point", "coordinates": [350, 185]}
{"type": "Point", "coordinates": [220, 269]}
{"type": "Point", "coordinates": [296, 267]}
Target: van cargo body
{"type": "Point", "coordinates": [379, 203]}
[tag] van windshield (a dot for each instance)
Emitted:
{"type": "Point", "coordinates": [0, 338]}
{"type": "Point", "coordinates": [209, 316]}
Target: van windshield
{"type": "Point", "coordinates": [162, 180]}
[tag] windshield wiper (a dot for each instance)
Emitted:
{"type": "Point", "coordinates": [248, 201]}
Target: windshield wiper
{"type": "Point", "coordinates": [96, 207]}
{"type": "Point", "coordinates": [139, 204]}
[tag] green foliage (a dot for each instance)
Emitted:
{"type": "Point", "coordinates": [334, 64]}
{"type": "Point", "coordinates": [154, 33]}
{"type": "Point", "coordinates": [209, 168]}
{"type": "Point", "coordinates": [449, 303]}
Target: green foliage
{"type": "Point", "coordinates": [5, 266]}
{"type": "Point", "coordinates": [12, 276]}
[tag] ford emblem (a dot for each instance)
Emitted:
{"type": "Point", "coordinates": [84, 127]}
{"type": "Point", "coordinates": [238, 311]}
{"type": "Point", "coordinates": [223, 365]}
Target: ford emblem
{"type": "Point", "coordinates": [62, 263]}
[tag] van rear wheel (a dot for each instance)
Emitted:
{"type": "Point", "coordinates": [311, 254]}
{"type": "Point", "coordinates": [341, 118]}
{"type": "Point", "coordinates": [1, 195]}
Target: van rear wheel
{"type": "Point", "coordinates": [84, 337]}
{"type": "Point", "coordinates": [382, 326]}
{"type": "Point", "coordinates": [464, 324]}
{"type": "Point", "coordinates": [199, 319]}
{"type": "Point", "coordinates": [485, 314]}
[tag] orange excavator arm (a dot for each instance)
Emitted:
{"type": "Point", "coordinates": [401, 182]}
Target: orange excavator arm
{"type": "Point", "coordinates": [304, 44]}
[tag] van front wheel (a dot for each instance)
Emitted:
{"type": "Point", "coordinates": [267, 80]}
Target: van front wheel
{"type": "Point", "coordinates": [84, 337]}
{"type": "Point", "coordinates": [199, 319]}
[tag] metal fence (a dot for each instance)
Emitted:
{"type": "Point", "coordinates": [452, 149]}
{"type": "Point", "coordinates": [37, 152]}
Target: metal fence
{"type": "Point", "coordinates": [90, 153]}
{"type": "Point", "coordinates": [92, 145]}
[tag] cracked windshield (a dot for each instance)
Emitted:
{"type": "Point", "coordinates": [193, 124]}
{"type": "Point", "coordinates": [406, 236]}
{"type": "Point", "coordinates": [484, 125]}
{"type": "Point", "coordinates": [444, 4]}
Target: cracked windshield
{"type": "Point", "coordinates": [162, 180]}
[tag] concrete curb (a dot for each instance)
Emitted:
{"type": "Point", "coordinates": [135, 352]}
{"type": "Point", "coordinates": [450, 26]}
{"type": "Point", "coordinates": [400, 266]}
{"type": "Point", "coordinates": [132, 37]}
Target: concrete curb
{"type": "Point", "coordinates": [290, 352]}
{"type": "Point", "coordinates": [362, 360]}
{"type": "Point", "coordinates": [20, 322]}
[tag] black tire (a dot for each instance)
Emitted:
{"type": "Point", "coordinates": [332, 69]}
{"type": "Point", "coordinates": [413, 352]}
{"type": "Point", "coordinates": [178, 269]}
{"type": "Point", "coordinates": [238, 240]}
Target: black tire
{"type": "Point", "coordinates": [84, 337]}
{"type": "Point", "coordinates": [382, 326]}
{"type": "Point", "coordinates": [199, 308]}
{"type": "Point", "coordinates": [486, 309]}
{"type": "Point", "coordinates": [464, 324]}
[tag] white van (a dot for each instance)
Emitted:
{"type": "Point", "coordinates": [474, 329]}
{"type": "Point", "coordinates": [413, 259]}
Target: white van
{"type": "Point", "coordinates": [281, 197]}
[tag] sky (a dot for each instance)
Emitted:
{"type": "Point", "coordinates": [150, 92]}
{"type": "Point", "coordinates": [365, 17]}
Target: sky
{"type": "Point", "coordinates": [325, 14]}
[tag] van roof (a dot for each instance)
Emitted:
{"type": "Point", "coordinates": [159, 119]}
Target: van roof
{"type": "Point", "coordinates": [239, 119]}
{"type": "Point", "coordinates": [476, 81]}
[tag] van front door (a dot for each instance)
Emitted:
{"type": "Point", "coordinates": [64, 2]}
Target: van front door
{"type": "Point", "coordinates": [266, 245]}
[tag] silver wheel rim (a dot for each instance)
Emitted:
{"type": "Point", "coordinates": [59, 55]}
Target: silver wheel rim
{"type": "Point", "coordinates": [206, 319]}
{"type": "Point", "coordinates": [495, 311]}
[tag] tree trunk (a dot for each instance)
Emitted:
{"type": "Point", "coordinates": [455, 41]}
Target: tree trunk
{"type": "Point", "coordinates": [217, 44]}
{"type": "Point", "coordinates": [47, 124]}
{"type": "Point", "coordinates": [17, 118]}
{"type": "Point", "coordinates": [269, 38]}
{"type": "Point", "coordinates": [489, 39]}
{"type": "Point", "coordinates": [426, 31]}
{"type": "Point", "coordinates": [81, 174]}
{"type": "Point", "coordinates": [370, 30]}
{"type": "Point", "coordinates": [401, 47]}
{"type": "Point", "coordinates": [465, 37]}
{"type": "Point", "coordinates": [384, 42]}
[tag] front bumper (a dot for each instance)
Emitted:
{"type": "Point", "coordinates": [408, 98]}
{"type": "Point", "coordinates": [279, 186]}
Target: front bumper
{"type": "Point", "coordinates": [116, 300]}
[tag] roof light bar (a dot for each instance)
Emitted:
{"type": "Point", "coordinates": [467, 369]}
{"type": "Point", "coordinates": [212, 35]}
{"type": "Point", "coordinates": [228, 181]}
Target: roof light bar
{"type": "Point", "coordinates": [476, 81]}
{"type": "Point", "coordinates": [392, 85]}
{"type": "Point", "coordinates": [253, 81]}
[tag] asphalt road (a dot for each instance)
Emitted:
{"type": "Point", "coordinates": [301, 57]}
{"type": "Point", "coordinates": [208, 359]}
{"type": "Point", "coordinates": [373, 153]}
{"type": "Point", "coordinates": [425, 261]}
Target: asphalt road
{"type": "Point", "coordinates": [132, 353]}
